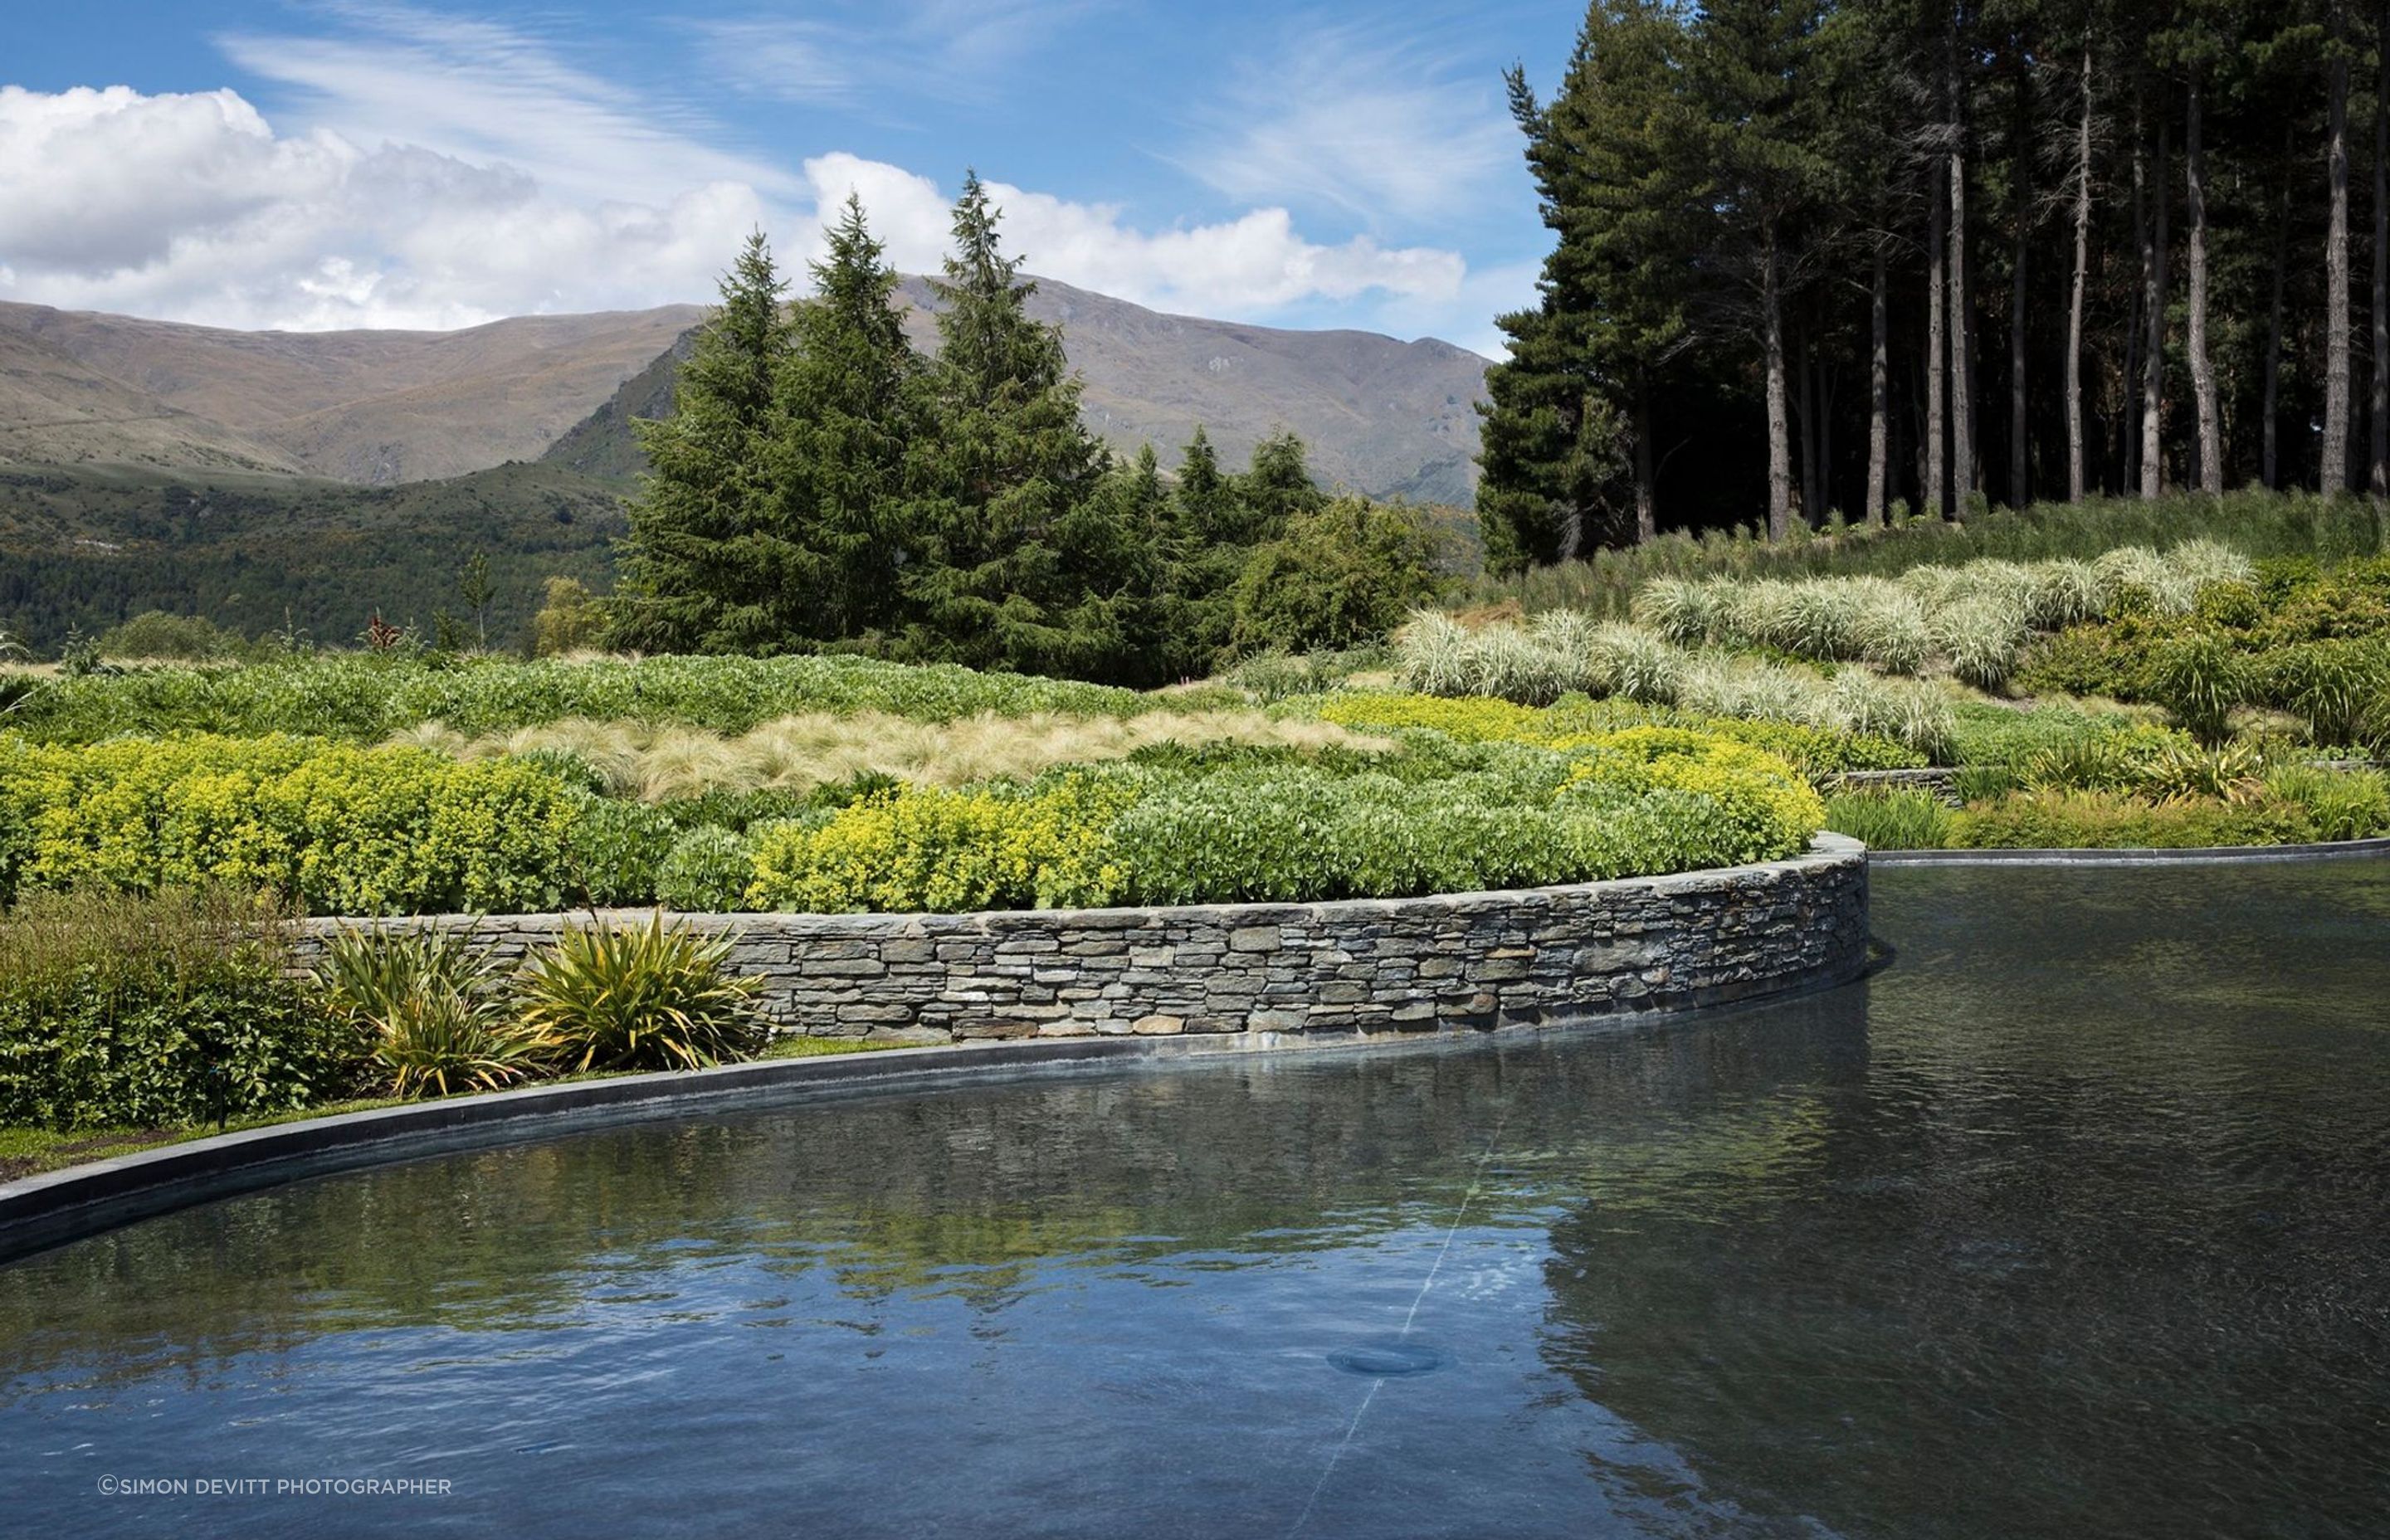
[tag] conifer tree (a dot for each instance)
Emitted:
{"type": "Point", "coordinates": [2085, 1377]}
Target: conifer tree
{"type": "Point", "coordinates": [852, 399]}
{"type": "Point", "coordinates": [699, 569]}
{"type": "Point", "coordinates": [1008, 464]}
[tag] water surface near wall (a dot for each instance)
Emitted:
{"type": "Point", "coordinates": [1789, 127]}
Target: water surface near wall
{"type": "Point", "coordinates": [2069, 1222]}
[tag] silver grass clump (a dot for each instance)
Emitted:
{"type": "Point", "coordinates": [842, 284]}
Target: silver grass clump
{"type": "Point", "coordinates": [1981, 637]}
{"type": "Point", "coordinates": [1679, 609]}
{"type": "Point", "coordinates": [1639, 665]}
{"type": "Point", "coordinates": [2202, 562]}
{"type": "Point", "coordinates": [1432, 654]}
{"type": "Point", "coordinates": [1507, 664]}
{"type": "Point", "coordinates": [1906, 710]}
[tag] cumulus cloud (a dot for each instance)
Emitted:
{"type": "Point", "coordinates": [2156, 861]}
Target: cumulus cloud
{"type": "Point", "coordinates": [438, 172]}
{"type": "Point", "coordinates": [1245, 266]}
{"type": "Point", "coordinates": [190, 207]}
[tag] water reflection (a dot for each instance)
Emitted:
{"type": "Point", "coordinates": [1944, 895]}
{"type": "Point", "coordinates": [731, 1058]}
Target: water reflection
{"type": "Point", "coordinates": [2068, 1222]}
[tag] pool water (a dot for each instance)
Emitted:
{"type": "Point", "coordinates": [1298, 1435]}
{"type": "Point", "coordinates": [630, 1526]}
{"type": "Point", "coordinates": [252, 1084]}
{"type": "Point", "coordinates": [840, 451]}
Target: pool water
{"type": "Point", "coordinates": [2073, 1220]}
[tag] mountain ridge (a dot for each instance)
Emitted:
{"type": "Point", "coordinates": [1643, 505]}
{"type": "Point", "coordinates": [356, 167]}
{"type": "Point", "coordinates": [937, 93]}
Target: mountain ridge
{"type": "Point", "coordinates": [382, 408]}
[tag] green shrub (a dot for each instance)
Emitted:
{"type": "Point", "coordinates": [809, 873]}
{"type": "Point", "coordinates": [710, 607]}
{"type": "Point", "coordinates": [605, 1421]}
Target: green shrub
{"type": "Point", "coordinates": [153, 1011]}
{"type": "Point", "coordinates": [1900, 819]}
{"type": "Point", "coordinates": [432, 1005]}
{"type": "Point", "coordinates": [649, 998]}
{"type": "Point", "coordinates": [707, 871]}
{"type": "Point", "coordinates": [2107, 820]}
{"type": "Point", "coordinates": [931, 848]}
{"type": "Point", "coordinates": [616, 851]}
{"type": "Point", "coordinates": [1339, 576]}
{"type": "Point", "coordinates": [2342, 804]}
{"type": "Point", "coordinates": [339, 829]}
{"type": "Point", "coordinates": [156, 635]}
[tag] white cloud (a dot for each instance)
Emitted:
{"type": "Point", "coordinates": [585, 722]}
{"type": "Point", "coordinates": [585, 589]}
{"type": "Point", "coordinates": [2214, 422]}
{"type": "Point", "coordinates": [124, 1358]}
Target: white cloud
{"type": "Point", "coordinates": [957, 50]}
{"type": "Point", "coordinates": [440, 172]}
{"type": "Point", "coordinates": [191, 208]}
{"type": "Point", "coordinates": [1244, 267]}
{"type": "Point", "coordinates": [1338, 118]}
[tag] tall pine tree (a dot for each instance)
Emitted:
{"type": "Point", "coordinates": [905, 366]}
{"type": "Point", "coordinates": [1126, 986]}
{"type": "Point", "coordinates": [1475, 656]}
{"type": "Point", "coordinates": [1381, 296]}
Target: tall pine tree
{"type": "Point", "coordinates": [992, 585]}
{"type": "Point", "coordinates": [699, 567]}
{"type": "Point", "coordinates": [852, 399]}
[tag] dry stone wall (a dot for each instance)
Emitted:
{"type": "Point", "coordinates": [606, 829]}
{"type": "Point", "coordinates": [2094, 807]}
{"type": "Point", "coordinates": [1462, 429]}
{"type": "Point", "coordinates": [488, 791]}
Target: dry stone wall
{"type": "Point", "coordinates": [1461, 960]}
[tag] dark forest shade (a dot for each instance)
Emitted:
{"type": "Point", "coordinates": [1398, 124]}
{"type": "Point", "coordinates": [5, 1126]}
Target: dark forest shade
{"type": "Point", "coordinates": [1825, 257]}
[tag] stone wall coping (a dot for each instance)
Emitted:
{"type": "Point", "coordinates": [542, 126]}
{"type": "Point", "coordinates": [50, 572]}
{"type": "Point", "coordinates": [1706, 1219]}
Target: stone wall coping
{"type": "Point", "coordinates": [1824, 849]}
{"type": "Point", "coordinates": [2141, 856]}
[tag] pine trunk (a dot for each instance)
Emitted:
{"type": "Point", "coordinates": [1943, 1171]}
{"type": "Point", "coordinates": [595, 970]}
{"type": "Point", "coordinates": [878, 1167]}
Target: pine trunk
{"type": "Point", "coordinates": [2153, 305]}
{"type": "Point", "coordinates": [2128, 425]}
{"type": "Point", "coordinates": [1937, 306]}
{"type": "Point", "coordinates": [2020, 467]}
{"type": "Point", "coordinates": [2074, 488]}
{"type": "Point", "coordinates": [1962, 352]}
{"type": "Point", "coordinates": [2202, 368]}
{"type": "Point", "coordinates": [2270, 471]}
{"type": "Point", "coordinates": [2333, 474]}
{"type": "Point", "coordinates": [1879, 416]}
{"type": "Point", "coordinates": [1810, 496]}
{"type": "Point", "coordinates": [1647, 504]}
{"type": "Point", "coordinates": [1779, 442]}
{"type": "Point", "coordinates": [2378, 477]}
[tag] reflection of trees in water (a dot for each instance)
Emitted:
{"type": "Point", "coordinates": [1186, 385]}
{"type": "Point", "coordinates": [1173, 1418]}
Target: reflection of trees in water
{"type": "Point", "coordinates": [978, 1194]}
{"type": "Point", "coordinates": [2082, 1252]}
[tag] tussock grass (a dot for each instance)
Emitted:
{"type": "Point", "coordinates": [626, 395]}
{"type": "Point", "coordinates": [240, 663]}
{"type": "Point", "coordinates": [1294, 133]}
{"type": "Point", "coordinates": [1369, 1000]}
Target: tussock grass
{"type": "Point", "coordinates": [659, 762]}
{"type": "Point", "coordinates": [2255, 523]}
{"type": "Point", "coordinates": [1560, 653]}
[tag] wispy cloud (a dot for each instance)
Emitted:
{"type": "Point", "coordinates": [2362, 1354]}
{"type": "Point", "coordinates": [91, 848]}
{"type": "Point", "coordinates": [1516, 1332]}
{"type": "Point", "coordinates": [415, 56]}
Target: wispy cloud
{"type": "Point", "coordinates": [951, 49]}
{"type": "Point", "coordinates": [486, 91]}
{"type": "Point", "coordinates": [1348, 117]}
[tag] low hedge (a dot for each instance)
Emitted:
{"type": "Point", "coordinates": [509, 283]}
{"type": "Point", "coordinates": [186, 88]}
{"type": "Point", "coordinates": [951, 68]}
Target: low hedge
{"type": "Point", "coordinates": [148, 1012]}
{"type": "Point", "coordinates": [341, 828]}
{"type": "Point", "coordinates": [1818, 751]}
{"type": "Point", "coordinates": [344, 830]}
{"type": "Point", "coordinates": [1254, 825]}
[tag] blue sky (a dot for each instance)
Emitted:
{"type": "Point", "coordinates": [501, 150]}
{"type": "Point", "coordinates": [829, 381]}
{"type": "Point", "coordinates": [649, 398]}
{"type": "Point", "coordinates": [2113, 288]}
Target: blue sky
{"type": "Point", "coordinates": [312, 164]}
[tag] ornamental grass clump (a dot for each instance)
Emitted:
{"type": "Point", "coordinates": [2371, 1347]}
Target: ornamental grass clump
{"type": "Point", "coordinates": [655, 996]}
{"type": "Point", "coordinates": [1900, 819]}
{"type": "Point", "coordinates": [433, 1007]}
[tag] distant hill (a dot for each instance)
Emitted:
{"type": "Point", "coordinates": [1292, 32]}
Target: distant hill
{"type": "Point", "coordinates": [83, 548]}
{"type": "Point", "coordinates": [373, 408]}
{"type": "Point", "coordinates": [1381, 417]}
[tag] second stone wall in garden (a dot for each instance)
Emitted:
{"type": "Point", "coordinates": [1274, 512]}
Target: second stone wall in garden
{"type": "Point", "coordinates": [1467, 960]}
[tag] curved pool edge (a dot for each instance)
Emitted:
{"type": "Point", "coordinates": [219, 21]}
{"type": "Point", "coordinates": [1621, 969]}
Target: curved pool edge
{"type": "Point", "coordinates": [2341, 849]}
{"type": "Point", "coordinates": [54, 1208]}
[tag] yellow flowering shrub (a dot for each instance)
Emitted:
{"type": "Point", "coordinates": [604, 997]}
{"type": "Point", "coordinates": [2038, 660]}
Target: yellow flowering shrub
{"type": "Point", "coordinates": [344, 830]}
{"type": "Point", "coordinates": [939, 850]}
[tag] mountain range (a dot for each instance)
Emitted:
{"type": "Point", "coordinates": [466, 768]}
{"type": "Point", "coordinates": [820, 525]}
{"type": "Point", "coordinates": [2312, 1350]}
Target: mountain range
{"type": "Point", "coordinates": [377, 408]}
{"type": "Point", "coordinates": [307, 480]}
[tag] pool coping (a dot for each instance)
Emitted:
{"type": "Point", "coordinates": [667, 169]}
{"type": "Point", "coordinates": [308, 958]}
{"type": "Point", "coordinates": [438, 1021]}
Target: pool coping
{"type": "Point", "coordinates": [2340, 849]}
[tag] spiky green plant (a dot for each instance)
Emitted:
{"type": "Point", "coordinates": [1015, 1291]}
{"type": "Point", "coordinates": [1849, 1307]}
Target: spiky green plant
{"type": "Point", "coordinates": [1903, 819]}
{"type": "Point", "coordinates": [654, 997]}
{"type": "Point", "coordinates": [2199, 678]}
{"type": "Point", "coordinates": [434, 1007]}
